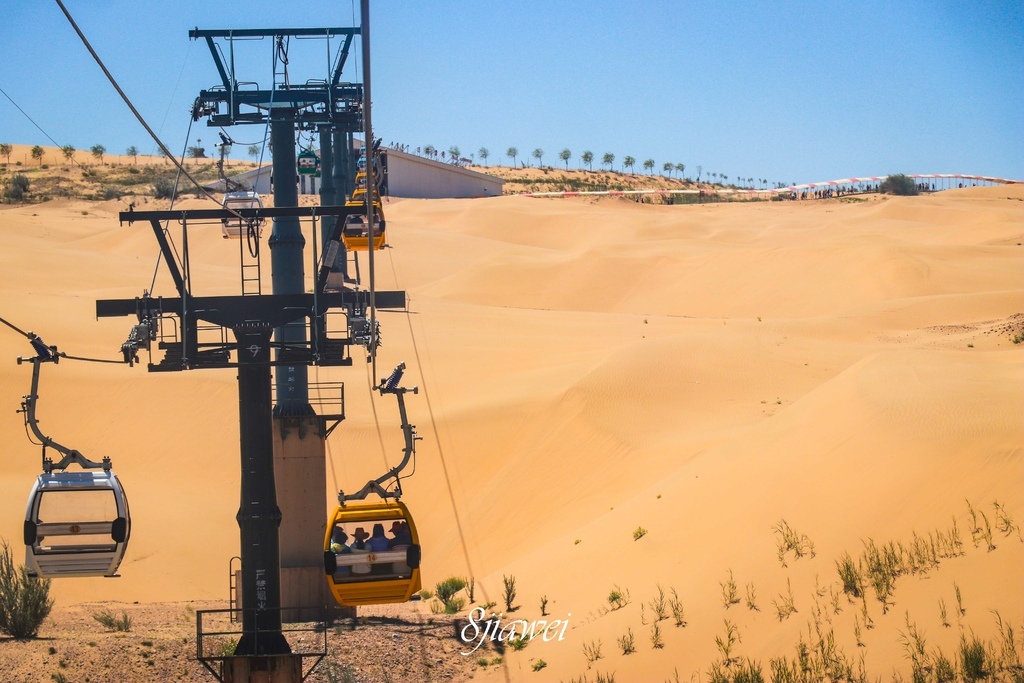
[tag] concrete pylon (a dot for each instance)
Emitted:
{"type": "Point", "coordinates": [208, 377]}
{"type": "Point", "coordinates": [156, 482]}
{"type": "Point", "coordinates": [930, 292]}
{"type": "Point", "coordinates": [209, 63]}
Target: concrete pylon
{"type": "Point", "coordinates": [300, 466]}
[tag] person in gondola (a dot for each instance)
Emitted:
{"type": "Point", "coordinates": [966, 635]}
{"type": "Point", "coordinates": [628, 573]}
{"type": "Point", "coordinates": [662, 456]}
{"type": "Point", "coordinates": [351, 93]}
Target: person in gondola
{"type": "Point", "coordinates": [339, 546]}
{"type": "Point", "coordinates": [360, 536]}
{"type": "Point", "coordinates": [378, 541]}
{"type": "Point", "coordinates": [339, 541]}
{"type": "Point", "coordinates": [400, 532]}
{"type": "Point", "coordinates": [359, 547]}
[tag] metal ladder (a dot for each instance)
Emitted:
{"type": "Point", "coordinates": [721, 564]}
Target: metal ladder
{"type": "Point", "coordinates": [233, 588]}
{"type": "Point", "coordinates": [251, 272]}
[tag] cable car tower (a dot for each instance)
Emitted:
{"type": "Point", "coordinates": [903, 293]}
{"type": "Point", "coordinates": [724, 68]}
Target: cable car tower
{"type": "Point", "coordinates": [285, 331]}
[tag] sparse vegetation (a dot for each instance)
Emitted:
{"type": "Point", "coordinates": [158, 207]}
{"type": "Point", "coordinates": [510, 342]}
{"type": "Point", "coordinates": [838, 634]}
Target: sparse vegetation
{"type": "Point", "coordinates": [627, 642]}
{"type": "Point", "coordinates": [790, 541]}
{"type": "Point", "coordinates": [510, 591]}
{"type": "Point", "coordinates": [784, 604]}
{"type": "Point", "coordinates": [678, 613]}
{"type": "Point", "coordinates": [850, 575]}
{"type": "Point", "coordinates": [730, 595]}
{"type": "Point", "coordinates": [25, 601]}
{"type": "Point", "coordinates": [727, 641]}
{"type": "Point", "coordinates": [163, 188]}
{"type": "Point", "coordinates": [898, 184]}
{"type": "Point", "coordinates": [974, 663]}
{"type": "Point", "coordinates": [517, 643]}
{"type": "Point", "coordinates": [592, 651]}
{"type": "Point", "coordinates": [618, 597]}
{"type": "Point", "coordinates": [656, 641]}
{"type": "Point", "coordinates": [16, 188]}
{"type": "Point", "coordinates": [659, 605]}
{"type": "Point", "coordinates": [543, 605]}
{"type": "Point", "coordinates": [639, 533]}
{"type": "Point", "coordinates": [539, 664]}
{"type": "Point", "coordinates": [752, 598]}
{"type": "Point", "coordinates": [114, 623]}
{"type": "Point", "coordinates": [446, 591]}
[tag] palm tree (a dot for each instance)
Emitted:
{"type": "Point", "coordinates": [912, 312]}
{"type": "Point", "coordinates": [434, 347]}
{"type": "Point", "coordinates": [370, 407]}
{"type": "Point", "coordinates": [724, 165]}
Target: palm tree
{"type": "Point", "coordinates": [538, 154]}
{"type": "Point", "coordinates": [254, 151]}
{"type": "Point", "coordinates": [5, 150]}
{"type": "Point", "coordinates": [98, 151]}
{"type": "Point", "coordinates": [37, 153]}
{"type": "Point", "coordinates": [484, 153]}
{"type": "Point", "coordinates": [454, 153]}
{"type": "Point", "coordinates": [680, 168]}
{"type": "Point", "coordinates": [430, 151]}
{"type": "Point", "coordinates": [588, 158]}
{"type": "Point", "coordinates": [667, 167]}
{"type": "Point", "coordinates": [133, 152]}
{"type": "Point", "coordinates": [512, 153]}
{"type": "Point", "coordinates": [699, 169]}
{"type": "Point", "coordinates": [649, 165]}
{"type": "Point", "coordinates": [628, 163]}
{"type": "Point", "coordinates": [565, 155]}
{"type": "Point", "coordinates": [609, 159]}
{"type": "Point", "coordinates": [68, 151]}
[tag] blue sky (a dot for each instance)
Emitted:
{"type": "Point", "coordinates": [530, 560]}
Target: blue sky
{"type": "Point", "coordinates": [791, 92]}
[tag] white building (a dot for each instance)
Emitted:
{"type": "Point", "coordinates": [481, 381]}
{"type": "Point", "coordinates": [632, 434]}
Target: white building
{"type": "Point", "coordinates": [406, 175]}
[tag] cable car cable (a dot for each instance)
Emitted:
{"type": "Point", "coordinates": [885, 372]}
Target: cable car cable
{"type": "Point", "coordinates": [55, 143]}
{"type": "Point", "coordinates": [23, 333]}
{"type": "Point", "coordinates": [131, 106]}
{"type": "Point", "coordinates": [437, 435]}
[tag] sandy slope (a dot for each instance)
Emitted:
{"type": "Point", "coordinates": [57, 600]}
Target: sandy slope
{"type": "Point", "coordinates": [702, 372]}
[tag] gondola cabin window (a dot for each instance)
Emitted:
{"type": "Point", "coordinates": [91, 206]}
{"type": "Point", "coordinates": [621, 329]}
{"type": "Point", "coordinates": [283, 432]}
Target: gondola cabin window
{"type": "Point", "coordinates": [79, 512]}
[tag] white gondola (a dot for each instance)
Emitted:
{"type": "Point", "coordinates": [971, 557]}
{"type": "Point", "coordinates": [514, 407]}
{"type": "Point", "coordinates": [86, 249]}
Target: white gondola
{"type": "Point", "coordinates": [236, 228]}
{"type": "Point", "coordinates": [76, 524]}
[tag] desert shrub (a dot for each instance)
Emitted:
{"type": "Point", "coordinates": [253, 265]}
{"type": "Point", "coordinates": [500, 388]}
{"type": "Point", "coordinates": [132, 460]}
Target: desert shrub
{"type": "Point", "coordinates": [853, 582]}
{"type": "Point", "coordinates": [454, 605]}
{"type": "Point", "coordinates": [510, 591]}
{"type": "Point", "coordinates": [618, 598]}
{"type": "Point", "coordinates": [112, 193]}
{"type": "Point", "coordinates": [25, 601]}
{"type": "Point", "coordinates": [973, 663]}
{"type": "Point", "coordinates": [17, 187]}
{"type": "Point", "coordinates": [114, 623]}
{"type": "Point", "coordinates": [899, 184]}
{"type": "Point", "coordinates": [163, 188]}
{"type": "Point", "coordinates": [447, 589]}
{"type": "Point", "coordinates": [627, 643]}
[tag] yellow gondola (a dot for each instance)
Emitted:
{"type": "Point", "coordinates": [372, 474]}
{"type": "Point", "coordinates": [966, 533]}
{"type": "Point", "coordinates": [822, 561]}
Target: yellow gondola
{"type": "Point", "coordinates": [372, 550]}
{"type": "Point", "coordinates": [372, 554]}
{"type": "Point", "coordinates": [355, 234]}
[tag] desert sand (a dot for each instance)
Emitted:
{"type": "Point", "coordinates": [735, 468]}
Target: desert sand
{"type": "Point", "coordinates": [589, 370]}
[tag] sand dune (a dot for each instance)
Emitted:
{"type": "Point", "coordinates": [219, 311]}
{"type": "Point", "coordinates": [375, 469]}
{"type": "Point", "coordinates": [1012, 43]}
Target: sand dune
{"type": "Point", "coordinates": [702, 372]}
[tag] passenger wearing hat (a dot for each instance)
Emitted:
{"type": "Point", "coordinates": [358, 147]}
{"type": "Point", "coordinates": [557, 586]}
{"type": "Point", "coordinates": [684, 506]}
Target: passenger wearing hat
{"type": "Point", "coordinates": [339, 541]}
{"type": "Point", "coordinates": [339, 547]}
{"type": "Point", "coordinates": [359, 547]}
{"type": "Point", "coordinates": [400, 531]}
{"type": "Point", "coordinates": [360, 537]}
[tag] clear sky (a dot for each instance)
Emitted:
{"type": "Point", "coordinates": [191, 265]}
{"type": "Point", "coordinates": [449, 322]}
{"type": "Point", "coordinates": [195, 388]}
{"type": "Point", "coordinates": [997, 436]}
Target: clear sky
{"type": "Point", "coordinates": [788, 91]}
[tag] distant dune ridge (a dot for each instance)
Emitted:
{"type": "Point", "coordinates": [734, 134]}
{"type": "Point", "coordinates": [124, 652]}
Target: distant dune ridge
{"type": "Point", "coordinates": [700, 373]}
